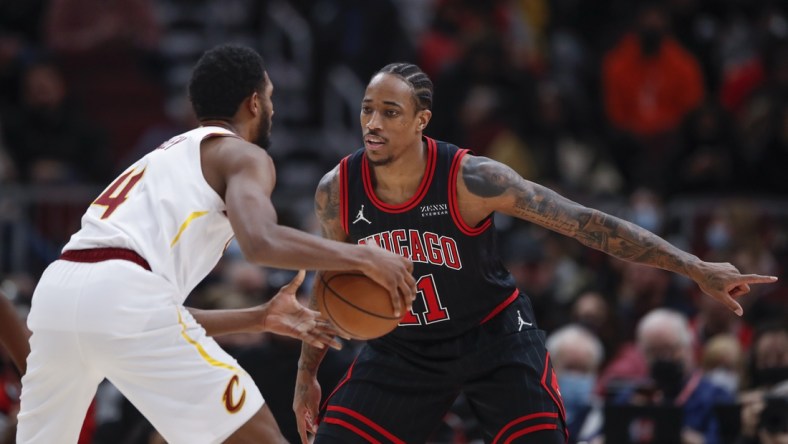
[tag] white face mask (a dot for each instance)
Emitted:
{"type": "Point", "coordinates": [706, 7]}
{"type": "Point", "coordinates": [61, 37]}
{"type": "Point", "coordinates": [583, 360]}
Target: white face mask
{"type": "Point", "coordinates": [727, 379]}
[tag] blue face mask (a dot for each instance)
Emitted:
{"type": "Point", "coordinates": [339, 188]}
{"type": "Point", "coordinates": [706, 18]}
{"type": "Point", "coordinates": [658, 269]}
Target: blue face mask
{"type": "Point", "coordinates": [576, 391]}
{"type": "Point", "coordinates": [717, 236]}
{"type": "Point", "coordinates": [647, 217]}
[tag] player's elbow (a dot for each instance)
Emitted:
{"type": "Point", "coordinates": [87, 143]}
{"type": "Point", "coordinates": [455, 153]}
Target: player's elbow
{"type": "Point", "coordinates": [258, 246]}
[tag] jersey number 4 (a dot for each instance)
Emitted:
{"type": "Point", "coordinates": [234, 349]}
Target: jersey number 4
{"type": "Point", "coordinates": [118, 191]}
{"type": "Point", "coordinates": [434, 310]}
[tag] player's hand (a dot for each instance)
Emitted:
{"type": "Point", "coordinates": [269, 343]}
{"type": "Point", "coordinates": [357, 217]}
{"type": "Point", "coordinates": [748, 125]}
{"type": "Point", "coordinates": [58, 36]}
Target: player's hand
{"type": "Point", "coordinates": [306, 403]}
{"type": "Point", "coordinates": [393, 272]}
{"type": "Point", "coordinates": [725, 283]}
{"type": "Point", "coordinates": [284, 315]}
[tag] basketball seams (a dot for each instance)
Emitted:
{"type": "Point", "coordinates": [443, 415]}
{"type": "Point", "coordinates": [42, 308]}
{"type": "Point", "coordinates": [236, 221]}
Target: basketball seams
{"type": "Point", "coordinates": [326, 284]}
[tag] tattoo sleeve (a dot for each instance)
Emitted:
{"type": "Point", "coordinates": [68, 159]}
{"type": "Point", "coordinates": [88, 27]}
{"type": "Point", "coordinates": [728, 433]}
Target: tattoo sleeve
{"type": "Point", "coordinates": [513, 195]}
{"type": "Point", "coordinates": [327, 210]}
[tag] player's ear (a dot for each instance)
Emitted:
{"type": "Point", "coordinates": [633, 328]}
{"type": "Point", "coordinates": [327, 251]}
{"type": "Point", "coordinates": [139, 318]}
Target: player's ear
{"type": "Point", "coordinates": [254, 103]}
{"type": "Point", "coordinates": [423, 118]}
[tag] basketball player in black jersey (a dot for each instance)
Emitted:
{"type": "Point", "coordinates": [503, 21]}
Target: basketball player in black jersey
{"type": "Point", "coordinates": [469, 330]}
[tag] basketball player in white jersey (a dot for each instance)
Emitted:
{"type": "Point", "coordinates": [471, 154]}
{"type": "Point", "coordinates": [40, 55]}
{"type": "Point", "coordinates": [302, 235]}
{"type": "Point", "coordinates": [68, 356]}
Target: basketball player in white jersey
{"type": "Point", "coordinates": [112, 306]}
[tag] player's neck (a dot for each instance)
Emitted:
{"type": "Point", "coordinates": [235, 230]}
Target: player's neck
{"type": "Point", "coordinates": [399, 180]}
{"type": "Point", "coordinates": [226, 124]}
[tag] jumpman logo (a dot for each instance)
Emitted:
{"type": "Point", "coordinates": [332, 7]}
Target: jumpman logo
{"type": "Point", "coordinates": [521, 322]}
{"type": "Point", "coordinates": [360, 215]}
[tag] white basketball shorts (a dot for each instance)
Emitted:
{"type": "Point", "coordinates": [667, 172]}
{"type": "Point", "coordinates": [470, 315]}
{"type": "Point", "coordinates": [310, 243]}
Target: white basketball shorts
{"type": "Point", "coordinates": [115, 320]}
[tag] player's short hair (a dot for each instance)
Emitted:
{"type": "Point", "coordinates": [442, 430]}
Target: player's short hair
{"type": "Point", "coordinates": [223, 77]}
{"type": "Point", "coordinates": [416, 78]}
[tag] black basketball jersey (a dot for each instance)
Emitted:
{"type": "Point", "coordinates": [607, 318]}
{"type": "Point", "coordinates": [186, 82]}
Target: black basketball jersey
{"type": "Point", "coordinates": [460, 277]}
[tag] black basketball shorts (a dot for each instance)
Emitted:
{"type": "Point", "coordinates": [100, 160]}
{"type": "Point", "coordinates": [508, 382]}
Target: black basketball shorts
{"type": "Point", "coordinates": [395, 395]}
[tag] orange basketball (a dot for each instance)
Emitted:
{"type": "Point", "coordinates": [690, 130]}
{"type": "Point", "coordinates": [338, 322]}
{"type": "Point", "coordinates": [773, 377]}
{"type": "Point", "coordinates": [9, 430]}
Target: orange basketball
{"type": "Point", "coordinates": [355, 304]}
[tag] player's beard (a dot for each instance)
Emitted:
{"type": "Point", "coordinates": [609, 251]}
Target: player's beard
{"type": "Point", "coordinates": [264, 132]}
{"type": "Point", "coordinates": [381, 162]}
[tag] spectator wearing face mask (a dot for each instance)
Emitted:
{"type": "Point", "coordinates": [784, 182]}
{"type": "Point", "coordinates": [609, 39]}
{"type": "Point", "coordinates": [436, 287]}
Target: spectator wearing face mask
{"type": "Point", "coordinates": [576, 354]}
{"type": "Point", "coordinates": [665, 341]}
{"type": "Point", "coordinates": [722, 361]}
{"type": "Point", "coordinates": [768, 360]}
{"type": "Point", "coordinates": [650, 84]}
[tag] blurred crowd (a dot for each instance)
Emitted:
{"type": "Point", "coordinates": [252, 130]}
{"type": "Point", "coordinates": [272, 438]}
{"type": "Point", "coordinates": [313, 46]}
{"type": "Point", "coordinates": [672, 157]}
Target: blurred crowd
{"type": "Point", "coordinates": [672, 114]}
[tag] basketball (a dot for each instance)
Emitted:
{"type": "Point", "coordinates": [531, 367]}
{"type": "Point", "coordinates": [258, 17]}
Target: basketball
{"type": "Point", "coordinates": [355, 304]}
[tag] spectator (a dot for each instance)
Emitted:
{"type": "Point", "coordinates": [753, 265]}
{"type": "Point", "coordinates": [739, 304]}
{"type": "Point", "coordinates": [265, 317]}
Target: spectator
{"type": "Point", "coordinates": [50, 138]}
{"type": "Point", "coordinates": [650, 81]}
{"type": "Point", "coordinates": [665, 341]}
{"type": "Point", "coordinates": [722, 361]}
{"type": "Point", "coordinates": [650, 84]}
{"type": "Point", "coordinates": [711, 322]}
{"type": "Point", "coordinates": [592, 311]}
{"type": "Point", "coordinates": [706, 159]}
{"type": "Point", "coordinates": [768, 361]}
{"type": "Point", "coordinates": [88, 25]}
{"type": "Point", "coordinates": [764, 417]}
{"type": "Point", "coordinates": [108, 51]}
{"type": "Point", "coordinates": [577, 355]}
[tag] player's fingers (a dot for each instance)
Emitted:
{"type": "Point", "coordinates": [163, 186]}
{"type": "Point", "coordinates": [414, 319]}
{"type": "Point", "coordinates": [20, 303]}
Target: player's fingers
{"type": "Point", "coordinates": [302, 428]}
{"type": "Point", "coordinates": [296, 282]}
{"type": "Point", "coordinates": [739, 290]}
{"type": "Point", "coordinates": [396, 305]}
{"type": "Point", "coordinates": [325, 328]}
{"type": "Point", "coordinates": [757, 279]}
{"type": "Point", "coordinates": [329, 340]}
{"type": "Point", "coordinates": [311, 423]}
{"type": "Point", "coordinates": [312, 340]}
{"type": "Point", "coordinates": [732, 304]}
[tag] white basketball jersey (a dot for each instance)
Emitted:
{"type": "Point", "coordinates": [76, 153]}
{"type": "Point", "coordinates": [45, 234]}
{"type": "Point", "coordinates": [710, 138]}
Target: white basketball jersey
{"type": "Point", "coordinates": [163, 208]}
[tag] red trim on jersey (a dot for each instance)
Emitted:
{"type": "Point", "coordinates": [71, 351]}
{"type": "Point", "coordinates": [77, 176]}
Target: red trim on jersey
{"type": "Point", "coordinates": [531, 429]}
{"type": "Point", "coordinates": [367, 421]}
{"type": "Point", "coordinates": [340, 384]}
{"type": "Point", "coordinates": [501, 306]}
{"type": "Point", "coordinates": [353, 429]}
{"type": "Point", "coordinates": [454, 207]}
{"type": "Point", "coordinates": [552, 389]}
{"type": "Point", "coordinates": [426, 180]}
{"type": "Point", "coordinates": [94, 255]}
{"type": "Point", "coordinates": [513, 422]}
{"type": "Point", "coordinates": [343, 194]}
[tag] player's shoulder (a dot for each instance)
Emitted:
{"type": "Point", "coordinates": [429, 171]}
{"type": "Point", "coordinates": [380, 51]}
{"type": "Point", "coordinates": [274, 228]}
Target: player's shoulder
{"type": "Point", "coordinates": [329, 183]}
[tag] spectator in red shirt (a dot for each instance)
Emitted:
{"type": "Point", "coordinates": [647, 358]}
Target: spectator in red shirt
{"type": "Point", "coordinates": [650, 81]}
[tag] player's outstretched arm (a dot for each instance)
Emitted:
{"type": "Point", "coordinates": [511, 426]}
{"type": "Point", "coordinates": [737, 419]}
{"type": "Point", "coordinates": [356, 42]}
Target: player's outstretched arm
{"type": "Point", "coordinates": [13, 334]}
{"type": "Point", "coordinates": [246, 178]}
{"type": "Point", "coordinates": [492, 186]}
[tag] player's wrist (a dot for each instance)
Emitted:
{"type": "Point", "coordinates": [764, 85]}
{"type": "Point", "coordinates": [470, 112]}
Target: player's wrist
{"type": "Point", "coordinates": [308, 368]}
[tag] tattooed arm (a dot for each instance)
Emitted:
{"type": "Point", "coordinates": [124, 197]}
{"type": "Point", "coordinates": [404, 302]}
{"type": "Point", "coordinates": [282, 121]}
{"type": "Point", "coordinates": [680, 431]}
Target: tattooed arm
{"type": "Point", "coordinates": [307, 390]}
{"type": "Point", "coordinates": [327, 210]}
{"type": "Point", "coordinates": [485, 186]}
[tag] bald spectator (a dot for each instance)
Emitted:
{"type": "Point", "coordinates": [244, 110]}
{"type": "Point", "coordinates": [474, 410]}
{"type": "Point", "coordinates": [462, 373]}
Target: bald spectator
{"type": "Point", "coordinates": [576, 354]}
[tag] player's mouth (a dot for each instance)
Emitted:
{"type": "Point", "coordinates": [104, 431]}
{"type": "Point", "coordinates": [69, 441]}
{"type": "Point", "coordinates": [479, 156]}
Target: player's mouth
{"type": "Point", "coordinates": [374, 143]}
